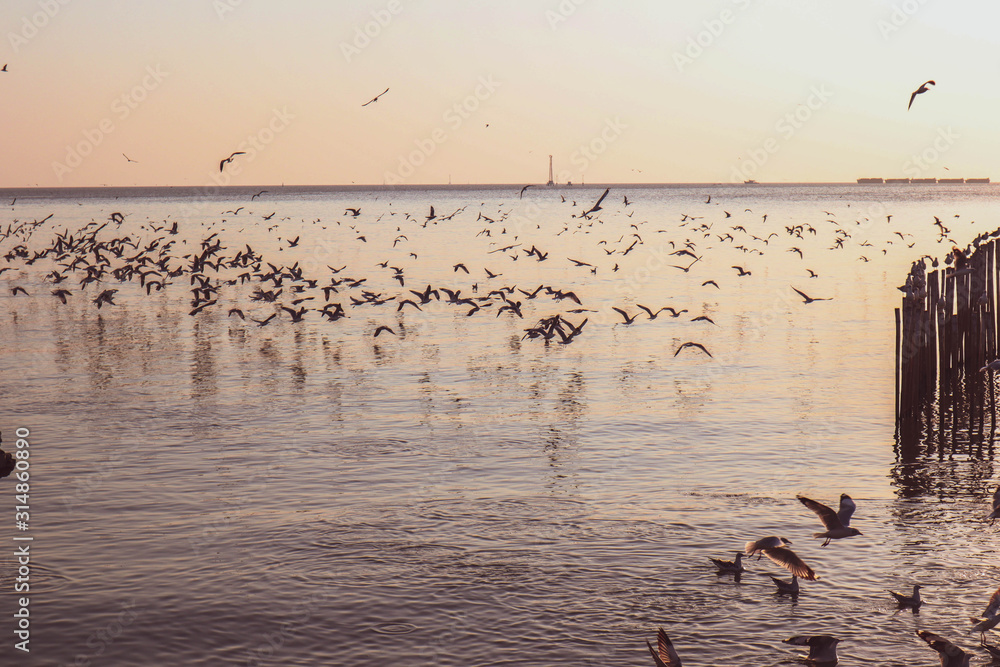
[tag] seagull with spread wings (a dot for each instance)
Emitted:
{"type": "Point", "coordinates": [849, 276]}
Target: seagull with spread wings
{"type": "Point", "coordinates": [922, 89]}
{"type": "Point", "coordinates": [229, 159]}
{"type": "Point", "coordinates": [776, 550]}
{"type": "Point", "coordinates": [375, 99]}
{"type": "Point", "coordinates": [837, 524]}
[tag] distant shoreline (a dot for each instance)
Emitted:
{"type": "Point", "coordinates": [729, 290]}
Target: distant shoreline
{"type": "Point", "coordinates": [194, 190]}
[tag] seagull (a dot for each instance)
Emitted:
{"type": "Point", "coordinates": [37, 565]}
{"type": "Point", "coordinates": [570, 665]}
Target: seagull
{"type": "Point", "coordinates": [381, 329]}
{"type": "Point", "coordinates": [375, 99]}
{"type": "Point", "coordinates": [666, 656]}
{"type": "Point", "coordinates": [951, 655]}
{"type": "Point", "coordinates": [995, 514]}
{"type": "Point", "coordinates": [774, 549]}
{"type": "Point", "coordinates": [129, 159]}
{"type": "Point", "coordinates": [690, 344]}
{"type": "Point", "coordinates": [837, 523]}
{"type": "Point", "coordinates": [808, 299]}
{"type": "Point", "coordinates": [789, 587]}
{"type": "Point", "coordinates": [909, 601]}
{"type": "Point", "coordinates": [628, 318]}
{"type": "Point", "coordinates": [982, 625]}
{"type": "Point", "coordinates": [992, 366]}
{"type": "Point", "coordinates": [229, 159]}
{"type": "Point", "coordinates": [743, 272]}
{"type": "Point", "coordinates": [596, 207]}
{"type": "Point", "coordinates": [730, 566]}
{"type": "Point", "coordinates": [822, 648]}
{"type": "Point", "coordinates": [61, 294]}
{"type": "Point", "coordinates": [521, 194]}
{"type": "Point", "coordinates": [922, 89]}
{"type": "Point", "coordinates": [4, 68]}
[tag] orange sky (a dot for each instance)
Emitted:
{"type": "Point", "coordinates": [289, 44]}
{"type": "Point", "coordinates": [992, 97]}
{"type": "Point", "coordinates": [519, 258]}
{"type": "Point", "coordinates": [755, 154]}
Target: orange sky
{"type": "Point", "coordinates": [480, 92]}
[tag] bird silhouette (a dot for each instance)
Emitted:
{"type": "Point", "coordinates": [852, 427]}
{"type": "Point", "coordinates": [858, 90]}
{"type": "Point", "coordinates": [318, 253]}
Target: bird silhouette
{"type": "Point", "coordinates": [922, 89]}
{"type": "Point", "coordinates": [223, 163]}
{"type": "Point", "coordinates": [375, 99]}
{"type": "Point", "coordinates": [808, 299]}
{"type": "Point", "coordinates": [696, 345]}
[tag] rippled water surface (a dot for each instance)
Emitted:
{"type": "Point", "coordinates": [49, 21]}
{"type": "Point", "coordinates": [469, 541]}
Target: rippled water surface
{"type": "Point", "coordinates": [207, 491]}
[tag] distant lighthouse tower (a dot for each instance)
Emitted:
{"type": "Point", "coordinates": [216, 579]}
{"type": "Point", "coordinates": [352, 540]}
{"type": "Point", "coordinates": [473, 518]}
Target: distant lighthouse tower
{"type": "Point", "coordinates": [551, 182]}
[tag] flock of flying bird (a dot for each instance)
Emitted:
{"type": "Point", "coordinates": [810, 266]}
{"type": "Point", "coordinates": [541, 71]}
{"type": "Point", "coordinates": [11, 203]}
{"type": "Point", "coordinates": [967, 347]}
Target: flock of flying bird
{"type": "Point", "coordinates": [609, 240]}
{"type": "Point", "coordinates": [823, 648]}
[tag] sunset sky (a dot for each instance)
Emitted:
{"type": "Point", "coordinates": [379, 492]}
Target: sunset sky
{"type": "Point", "coordinates": [483, 92]}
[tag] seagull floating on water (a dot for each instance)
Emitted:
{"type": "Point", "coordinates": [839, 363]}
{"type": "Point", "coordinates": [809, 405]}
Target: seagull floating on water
{"type": "Point", "coordinates": [786, 587]}
{"type": "Point", "coordinates": [909, 601]}
{"type": "Point", "coordinates": [730, 566]}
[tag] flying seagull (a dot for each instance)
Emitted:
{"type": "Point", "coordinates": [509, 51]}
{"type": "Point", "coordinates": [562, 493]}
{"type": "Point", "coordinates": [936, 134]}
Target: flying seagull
{"type": "Point", "coordinates": [774, 549]}
{"type": "Point", "coordinates": [4, 68]}
{"type": "Point", "coordinates": [837, 524]}
{"type": "Point", "coordinates": [229, 159]}
{"type": "Point", "coordinates": [918, 91]}
{"type": "Point", "coordinates": [521, 194]}
{"type": "Point", "coordinates": [690, 344]}
{"type": "Point", "coordinates": [375, 99]}
{"type": "Point", "coordinates": [129, 159]}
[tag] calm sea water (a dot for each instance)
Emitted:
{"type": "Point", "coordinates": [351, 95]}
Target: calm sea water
{"type": "Point", "coordinates": [207, 491]}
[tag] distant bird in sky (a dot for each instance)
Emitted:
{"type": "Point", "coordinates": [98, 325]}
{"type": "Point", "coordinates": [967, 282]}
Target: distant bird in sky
{"type": "Point", "coordinates": [521, 194]}
{"type": "Point", "coordinates": [229, 159]}
{"type": "Point", "coordinates": [375, 99]}
{"type": "Point", "coordinates": [918, 91]}
{"type": "Point", "coordinates": [130, 159]}
{"type": "Point", "coordinates": [258, 194]}
{"type": "Point", "coordinates": [4, 68]}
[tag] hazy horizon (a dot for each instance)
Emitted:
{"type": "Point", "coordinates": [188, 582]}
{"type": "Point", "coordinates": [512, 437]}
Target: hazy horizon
{"type": "Point", "coordinates": [717, 92]}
